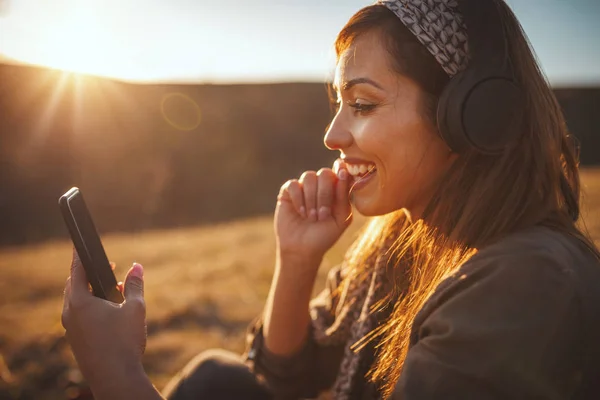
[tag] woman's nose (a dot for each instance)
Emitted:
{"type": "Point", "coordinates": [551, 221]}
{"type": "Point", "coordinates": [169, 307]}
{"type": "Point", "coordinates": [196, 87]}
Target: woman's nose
{"type": "Point", "coordinates": [338, 135]}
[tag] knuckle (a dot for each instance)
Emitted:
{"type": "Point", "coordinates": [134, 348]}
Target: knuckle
{"type": "Point", "coordinates": [308, 175]}
{"type": "Point", "coordinates": [326, 188]}
{"type": "Point", "coordinates": [290, 187]}
{"type": "Point", "coordinates": [325, 173]}
{"type": "Point", "coordinates": [137, 305]}
{"type": "Point", "coordinates": [325, 197]}
{"type": "Point", "coordinates": [283, 189]}
{"type": "Point", "coordinates": [292, 184]}
{"type": "Point", "coordinates": [135, 283]}
{"type": "Point", "coordinates": [309, 188]}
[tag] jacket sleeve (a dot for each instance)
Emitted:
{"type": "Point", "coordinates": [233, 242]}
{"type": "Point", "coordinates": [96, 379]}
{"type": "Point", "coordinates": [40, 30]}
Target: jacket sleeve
{"type": "Point", "coordinates": [500, 329]}
{"type": "Point", "coordinates": [314, 367]}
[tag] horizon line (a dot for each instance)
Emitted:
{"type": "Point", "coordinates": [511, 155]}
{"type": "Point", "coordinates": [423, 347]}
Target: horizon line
{"type": "Point", "coordinates": [183, 81]}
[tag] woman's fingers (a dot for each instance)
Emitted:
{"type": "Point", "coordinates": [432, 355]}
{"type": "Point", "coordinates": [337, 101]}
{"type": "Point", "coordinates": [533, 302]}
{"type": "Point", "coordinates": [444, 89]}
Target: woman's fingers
{"type": "Point", "coordinates": [314, 195]}
{"type": "Point", "coordinates": [309, 184]}
{"type": "Point", "coordinates": [291, 191]}
{"type": "Point", "coordinates": [325, 193]}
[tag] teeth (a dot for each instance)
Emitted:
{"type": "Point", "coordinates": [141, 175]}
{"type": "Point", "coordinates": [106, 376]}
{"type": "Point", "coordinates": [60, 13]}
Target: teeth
{"type": "Point", "coordinates": [359, 169]}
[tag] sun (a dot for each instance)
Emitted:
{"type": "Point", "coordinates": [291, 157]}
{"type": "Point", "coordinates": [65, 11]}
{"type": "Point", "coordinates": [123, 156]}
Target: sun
{"type": "Point", "coordinates": [79, 42]}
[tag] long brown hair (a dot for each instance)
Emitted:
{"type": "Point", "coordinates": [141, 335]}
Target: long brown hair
{"type": "Point", "coordinates": [481, 199]}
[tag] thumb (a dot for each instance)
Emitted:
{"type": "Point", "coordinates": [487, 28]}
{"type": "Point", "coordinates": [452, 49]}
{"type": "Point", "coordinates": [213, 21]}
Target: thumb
{"type": "Point", "coordinates": [134, 282]}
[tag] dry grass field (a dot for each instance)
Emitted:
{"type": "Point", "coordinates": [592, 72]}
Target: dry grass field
{"type": "Point", "coordinates": [203, 286]}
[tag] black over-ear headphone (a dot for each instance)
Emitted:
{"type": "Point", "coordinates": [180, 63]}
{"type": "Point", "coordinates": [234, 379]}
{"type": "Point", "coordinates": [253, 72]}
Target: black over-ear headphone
{"type": "Point", "coordinates": [482, 106]}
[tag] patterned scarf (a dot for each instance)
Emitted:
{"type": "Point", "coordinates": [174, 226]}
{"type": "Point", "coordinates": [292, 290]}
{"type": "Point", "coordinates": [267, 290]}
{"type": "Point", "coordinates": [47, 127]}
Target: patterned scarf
{"type": "Point", "coordinates": [439, 26]}
{"type": "Point", "coordinates": [354, 320]}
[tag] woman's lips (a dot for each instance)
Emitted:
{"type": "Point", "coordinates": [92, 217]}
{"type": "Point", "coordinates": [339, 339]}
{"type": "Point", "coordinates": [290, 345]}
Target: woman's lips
{"type": "Point", "coordinates": [361, 171]}
{"type": "Point", "coordinates": [361, 181]}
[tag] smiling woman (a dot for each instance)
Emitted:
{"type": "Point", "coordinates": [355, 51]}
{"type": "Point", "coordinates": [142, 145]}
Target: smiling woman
{"type": "Point", "coordinates": [472, 279]}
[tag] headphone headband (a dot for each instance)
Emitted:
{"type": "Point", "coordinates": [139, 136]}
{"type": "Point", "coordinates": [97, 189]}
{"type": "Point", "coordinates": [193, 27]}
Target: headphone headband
{"type": "Point", "coordinates": [487, 44]}
{"type": "Point", "coordinates": [482, 105]}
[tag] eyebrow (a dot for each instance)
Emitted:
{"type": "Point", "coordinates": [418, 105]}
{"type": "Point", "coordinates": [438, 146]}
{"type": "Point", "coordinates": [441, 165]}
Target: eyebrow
{"type": "Point", "coordinates": [353, 82]}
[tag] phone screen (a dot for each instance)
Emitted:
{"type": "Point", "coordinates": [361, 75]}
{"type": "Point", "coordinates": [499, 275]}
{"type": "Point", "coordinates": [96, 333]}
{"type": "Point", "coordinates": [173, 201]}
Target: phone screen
{"type": "Point", "coordinates": [89, 247]}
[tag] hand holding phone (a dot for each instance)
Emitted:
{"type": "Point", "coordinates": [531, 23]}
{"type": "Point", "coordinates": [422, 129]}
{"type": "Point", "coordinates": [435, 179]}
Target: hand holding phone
{"type": "Point", "coordinates": [89, 246]}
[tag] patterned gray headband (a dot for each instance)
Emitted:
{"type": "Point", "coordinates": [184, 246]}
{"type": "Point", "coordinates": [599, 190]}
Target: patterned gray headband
{"type": "Point", "coordinates": [439, 26]}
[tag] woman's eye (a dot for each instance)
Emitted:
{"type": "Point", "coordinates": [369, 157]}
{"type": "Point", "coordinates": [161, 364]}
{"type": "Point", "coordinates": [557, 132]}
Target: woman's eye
{"type": "Point", "coordinates": [360, 106]}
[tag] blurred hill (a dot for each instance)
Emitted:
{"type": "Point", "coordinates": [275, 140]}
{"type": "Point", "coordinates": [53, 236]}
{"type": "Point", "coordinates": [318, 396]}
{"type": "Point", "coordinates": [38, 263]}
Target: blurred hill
{"type": "Point", "coordinates": [155, 156]}
{"type": "Point", "coordinates": [149, 155]}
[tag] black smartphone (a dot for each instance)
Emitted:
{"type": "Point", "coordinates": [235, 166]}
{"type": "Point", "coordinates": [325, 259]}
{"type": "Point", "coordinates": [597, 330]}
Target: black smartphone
{"type": "Point", "coordinates": [88, 246]}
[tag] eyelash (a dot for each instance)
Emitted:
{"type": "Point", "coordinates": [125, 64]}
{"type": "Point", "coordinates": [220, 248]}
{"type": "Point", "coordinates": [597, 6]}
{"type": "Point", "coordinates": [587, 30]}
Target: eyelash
{"type": "Point", "coordinates": [358, 108]}
{"type": "Point", "coordinates": [362, 108]}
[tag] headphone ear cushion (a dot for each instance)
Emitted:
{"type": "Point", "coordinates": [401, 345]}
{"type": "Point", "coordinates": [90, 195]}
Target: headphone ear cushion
{"type": "Point", "coordinates": [492, 114]}
{"type": "Point", "coordinates": [484, 113]}
{"type": "Point", "coordinates": [449, 115]}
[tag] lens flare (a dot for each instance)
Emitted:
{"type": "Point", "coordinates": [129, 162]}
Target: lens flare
{"type": "Point", "coordinates": [180, 111]}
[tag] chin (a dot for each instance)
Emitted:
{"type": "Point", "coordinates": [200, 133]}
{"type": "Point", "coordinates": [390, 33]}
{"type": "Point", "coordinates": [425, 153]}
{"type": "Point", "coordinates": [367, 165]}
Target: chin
{"type": "Point", "coordinates": [369, 207]}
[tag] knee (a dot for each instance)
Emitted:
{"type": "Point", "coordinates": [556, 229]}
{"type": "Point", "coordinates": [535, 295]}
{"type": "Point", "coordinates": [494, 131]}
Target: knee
{"type": "Point", "coordinates": [213, 365]}
{"type": "Point", "coordinates": [215, 374]}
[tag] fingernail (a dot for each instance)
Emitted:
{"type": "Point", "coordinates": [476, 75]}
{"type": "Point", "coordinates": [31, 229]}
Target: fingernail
{"type": "Point", "coordinates": [137, 270]}
{"type": "Point", "coordinates": [343, 174]}
{"type": "Point", "coordinates": [324, 213]}
{"type": "Point", "coordinates": [303, 212]}
{"type": "Point", "coordinates": [313, 214]}
{"type": "Point", "coordinates": [336, 166]}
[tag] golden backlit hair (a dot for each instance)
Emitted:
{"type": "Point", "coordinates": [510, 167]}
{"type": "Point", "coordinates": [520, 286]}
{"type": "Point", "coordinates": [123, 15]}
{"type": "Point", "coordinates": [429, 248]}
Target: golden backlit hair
{"type": "Point", "coordinates": [480, 200]}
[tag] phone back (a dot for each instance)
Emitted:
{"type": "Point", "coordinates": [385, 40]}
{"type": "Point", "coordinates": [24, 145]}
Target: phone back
{"type": "Point", "coordinates": [89, 246]}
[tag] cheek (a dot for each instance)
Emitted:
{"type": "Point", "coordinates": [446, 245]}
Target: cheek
{"type": "Point", "coordinates": [408, 149]}
{"type": "Point", "coordinates": [365, 132]}
{"type": "Point", "coordinates": [414, 160]}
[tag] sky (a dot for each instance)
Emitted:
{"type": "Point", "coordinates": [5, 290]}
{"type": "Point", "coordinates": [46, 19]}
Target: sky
{"type": "Point", "coordinates": [249, 41]}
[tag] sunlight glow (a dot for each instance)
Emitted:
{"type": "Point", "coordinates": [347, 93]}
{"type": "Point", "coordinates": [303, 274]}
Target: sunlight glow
{"type": "Point", "coordinates": [77, 121]}
{"type": "Point", "coordinates": [264, 41]}
{"type": "Point", "coordinates": [50, 111]}
{"type": "Point", "coordinates": [78, 43]}
{"type": "Point", "coordinates": [73, 96]}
